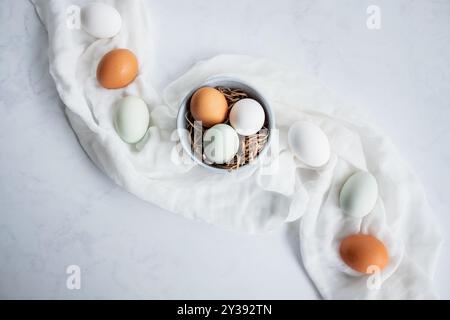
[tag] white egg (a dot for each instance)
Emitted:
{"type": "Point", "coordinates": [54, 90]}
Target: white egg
{"type": "Point", "coordinates": [309, 143]}
{"type": "Point", "coordinates": [100, 20]}
{"type": "Point", "coordinates": [131, 119]}
{"type": "Point", "coordinates": [220, 143]}
{"type": "Point", "coordinates": [247, 117]}
{"type": "Point", "coordinates": [359, 194]}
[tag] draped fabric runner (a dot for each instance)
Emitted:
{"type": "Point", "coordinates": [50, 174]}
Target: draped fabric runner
{"type": "Point", "coordinates": [261, 198]}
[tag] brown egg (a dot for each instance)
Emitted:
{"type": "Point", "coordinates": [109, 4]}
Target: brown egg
{"type": "Point", "coordinates": [117, 69]}
{"type": "Point", "coordinates": [209, 106]}
{"type": "Point", "coordinates": [360, 251]}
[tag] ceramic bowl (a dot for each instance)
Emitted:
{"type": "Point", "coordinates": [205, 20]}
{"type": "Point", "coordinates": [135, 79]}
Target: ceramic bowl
{"type": "Point", "coordinates": [229, 82]}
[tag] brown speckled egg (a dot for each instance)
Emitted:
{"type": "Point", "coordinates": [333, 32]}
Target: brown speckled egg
{"type": "Point", "coordinates": [117, 69]}
{"type": "Point", "coordinates": [360, 251]}
{"type": "Point", "coordinates": [209, 106]}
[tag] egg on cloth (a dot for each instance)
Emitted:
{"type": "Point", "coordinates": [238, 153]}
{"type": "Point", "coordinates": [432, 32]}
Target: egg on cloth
{"type": "Point", "coordinates": [309, 144]}
{"type": "Point", "coordinates": [131, 119]}
{"type": "Point", "coordinates": [363, 252]}
{"type": "Point", "coordinates": [247, 116]}
{"type": "Point", "coordinates": [100, 20]}
{"type": "Point", "coordinates": [359, 194]}
{"type": "Point", "coordinates": [117, 69]}
{"type": "Point", "coordinates": [209, 106]}
{"type": "Point", "coordinates": [220, 143]}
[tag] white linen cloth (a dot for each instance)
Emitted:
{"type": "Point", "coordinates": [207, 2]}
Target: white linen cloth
{"type": "Point", "coordinates": [252, 200]}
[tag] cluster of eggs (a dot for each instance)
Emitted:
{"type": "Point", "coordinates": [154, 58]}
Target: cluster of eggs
{"type": "Point", "coordinates": [117, 69]}
{"type": "Point", "coordinates": [221, 141]}
{"type": "Point", "coordinates": [357, 197]}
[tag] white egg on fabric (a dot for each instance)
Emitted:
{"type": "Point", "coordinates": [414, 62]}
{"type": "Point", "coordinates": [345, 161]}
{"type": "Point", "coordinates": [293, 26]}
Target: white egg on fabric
{"type": "Point", "coordinates": [131, 119]}
{"type": "Point", "coordinates": [359, 194]}
{"type": "Point", "coordinates": [309, 144]}
{"type": "Point", "coordinates": [101, 20]}
{"type": "Point", "coordinates": [220, 143]}
{"type": "Point", "coordinates": [247, 116]}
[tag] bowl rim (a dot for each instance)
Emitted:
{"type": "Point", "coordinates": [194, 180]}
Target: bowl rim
{"type": "Point", "coordinates": [212, 82]}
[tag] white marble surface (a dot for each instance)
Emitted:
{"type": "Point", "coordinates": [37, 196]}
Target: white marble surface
{"type": "Point", "coordinates": [57, 209]}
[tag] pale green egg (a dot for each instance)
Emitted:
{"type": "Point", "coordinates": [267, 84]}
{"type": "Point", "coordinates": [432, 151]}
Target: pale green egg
{"type": "Point", "coordinates": [131, 119]}
{"type": "Point", "coordinates": [221, 143]}
{"type": "Point", "coordinates": [359, 194]}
